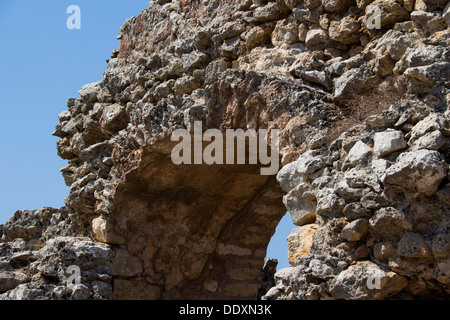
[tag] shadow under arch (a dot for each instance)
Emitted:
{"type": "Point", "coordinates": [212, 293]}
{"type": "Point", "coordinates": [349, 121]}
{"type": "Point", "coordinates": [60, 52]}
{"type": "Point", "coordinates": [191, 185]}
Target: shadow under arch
{"type": "Point", "coordinates": [192, 231]}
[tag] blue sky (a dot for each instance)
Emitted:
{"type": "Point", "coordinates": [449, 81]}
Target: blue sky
{"type": "Point", "coordinates": [42, 65]}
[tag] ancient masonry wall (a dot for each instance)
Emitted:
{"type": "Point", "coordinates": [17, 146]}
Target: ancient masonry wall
{"type": "Point", "coordinates": [364, 145]}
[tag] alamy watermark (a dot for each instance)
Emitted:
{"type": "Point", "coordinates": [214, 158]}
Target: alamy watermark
{"type": "Point", "coordinates": [374, 282]}
{"type": "Point", "coordinates": [74, 20]}
{"type": "Point", "coordinates": [233, 152]}
{"type": "Point", "coordinates": [74, 278]}
{"type": "Point", "coordinates": [374, 19]}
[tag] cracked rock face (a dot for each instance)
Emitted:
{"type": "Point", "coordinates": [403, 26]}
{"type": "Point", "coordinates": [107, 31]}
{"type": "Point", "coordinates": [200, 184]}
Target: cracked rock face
{"type": "Point", "coordinates": [30, 272]}
{"type": "Point", "coordinates": [364, 152]}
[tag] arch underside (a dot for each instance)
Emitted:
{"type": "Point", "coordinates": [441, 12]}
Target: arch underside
{"type": "Point", "coordinates": [192, 231]}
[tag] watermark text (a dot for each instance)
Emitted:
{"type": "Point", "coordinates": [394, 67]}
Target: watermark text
{"type": "Point", "coordinates": [229, 149]}
{"type": "Point", "coordinates": [74, 20]}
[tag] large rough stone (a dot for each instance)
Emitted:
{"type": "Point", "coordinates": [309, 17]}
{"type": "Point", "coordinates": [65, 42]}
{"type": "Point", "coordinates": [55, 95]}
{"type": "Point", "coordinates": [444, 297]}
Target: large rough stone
{"type": "Point", "coordinates": [295, 172]}
{"type": "Point", "coordinates": [103, 231]}
{"type": "Point", "coordinates": [11, 279]}
{"type": "Point", "coordinates": [419, 171]}
{"type": "Point", "coordinates": [428, 21]}
{"type": "Point", "coordinates": [412, 245]}
{"type": "Point", "coordinates": [446, 14]}
{"type": "Point", "coordinates": [358, 153]}
{"type": "Point", "coordinates": [352, 82]}
{"type": "Point", "coordinates": [318, 77]}
{"type": "Point", "coordinates": [429, 74]}
{"type": "Point", "coordinates": [80, 292]}
{"type": "Point", "coordinates": [389, 222]}
{"type": "Point", "coordinates": [114, 118]}
{"type": "Point", "coordinates": [418, 56]}
{"type": "Point", "coordinates": [214, 69]}
{"type": "Point", "coordinates": [285, 32]}
{"type": "Point", "coordinates": [329, 203]}
{"type": "Point", "coordinates": [300, 242]}
{"type": "Point", "coordinates": [257, 36]}
{"type": "Point", "coordinates": [360, 282]}
{"type": "Point", "coordinates": [316, 37]}
{"type": "Point", "coordinates": [193, 60]}
{"type": "Point", "coordinates": [430, 123]}
{"type": "Point", "coordinates": [301, 206]}
{"type": "Point", "coordinates": [387, 142]}
{"type": "Point", "coordinates": [431, 141]}
{"type": "Point", "coordinates": [440, 245]}
{"type": "Point", "coordinates": [355, 210]}
{"type": "Point", "coordinates": [90, 91]}
{"type": "Point", "coordinates": [390, 12]}
{"type": "Point", "coordinates": [271, 11]}
{"type": "Point", "coordinates": [336, 5]}
{"type": "Point", "coordinates": [383, 250]}
{"type": "Point", "coordinates": [125, 265]}
{"type": "Point", "coordinates": [344, 30]}
{"type": "Point", "coordinates": [355, 230]}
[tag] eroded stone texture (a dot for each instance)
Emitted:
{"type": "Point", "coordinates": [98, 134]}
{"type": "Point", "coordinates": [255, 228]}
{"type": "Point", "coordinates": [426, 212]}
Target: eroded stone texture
{"type": "Point", "coordinates": [364, 149]}
{"type": "Point", "coordinates": [221, 219]}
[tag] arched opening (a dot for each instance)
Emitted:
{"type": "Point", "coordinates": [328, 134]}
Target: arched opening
{"type": "Point", "coordinates": [192, 231]}
{"type": "Point", "coordinates": [278, 247]}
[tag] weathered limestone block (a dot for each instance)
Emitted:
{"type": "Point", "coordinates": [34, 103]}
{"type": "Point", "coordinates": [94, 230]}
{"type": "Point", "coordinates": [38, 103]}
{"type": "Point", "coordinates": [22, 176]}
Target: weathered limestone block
{"type": "Point", "coordinates": [300, 242]}
{"type": "Point", "coordinates": [419, 171]}
{"type": "Point", "coordinates": [352, 283]}
{"type": "Point", "coordinates": [430, 123]}
{"type": "Point", "coordinates": [329, 203]}
{"type": "Point", "coordinates": [355, 230]}
{"type": "Point", "coordinates": [336, 5]}
{"type": "Point", "coordinates": [256, 36]}
{"type": "Point", "coordinates": [355, 210]}
{"type": "Point", "coordinates": [389, 222]}
{"type": "Point", "coordinates": [318, 77]}
{"type": "Point", "coordinates": [441, 245]}
{"type": "Point", "coordinates": [431, 141]}
{"type": "Point", "coordinates": [353, 81]}
{"type": "Point", "coordinates": [344, 30]}
{"type": "Point", "coordinates": [412, 245]}
{"type": "Point", "coordinates": [114, 118]}
{"type": "Point", "coordinates": [390, 12]}
{"type": "Point", "coordinates": [387, 142]}
{"type": "Point", "coordinates": [357, 154]}
{"type": "Point", "coordinates": [11, 279]}
{"type": "Point", "coordinates": [90, 91]}
{"type": "Point", "coordinates": [285, 32]}
{"type": "Point", "coordinates": [269, 12]}
{"type": "Point", "coordinates": [316, 37]}
{"type": "Point", "coordinates": [383, 250]}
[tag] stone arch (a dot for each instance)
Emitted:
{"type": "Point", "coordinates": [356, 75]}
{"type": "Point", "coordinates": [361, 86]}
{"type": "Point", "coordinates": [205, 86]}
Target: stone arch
{"type": "Point", "coordinates": [195, 231]}
{"type": "Point", "coordinates": [192, 231]}
{"type": "Point", "coordinates": [188, 231]}
{"type": "Point", "coordinates": [175, 236]}
{"type": "Point", "coordinates": [202, 231]}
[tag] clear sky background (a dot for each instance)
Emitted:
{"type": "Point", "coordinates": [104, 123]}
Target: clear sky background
{"type": "Point", "coordinates": [42, 65]}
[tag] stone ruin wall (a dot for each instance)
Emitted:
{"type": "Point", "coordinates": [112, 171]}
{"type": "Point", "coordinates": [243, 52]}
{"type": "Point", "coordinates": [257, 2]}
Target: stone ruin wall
{"type": "Point", "coordinates": [364, 147]}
